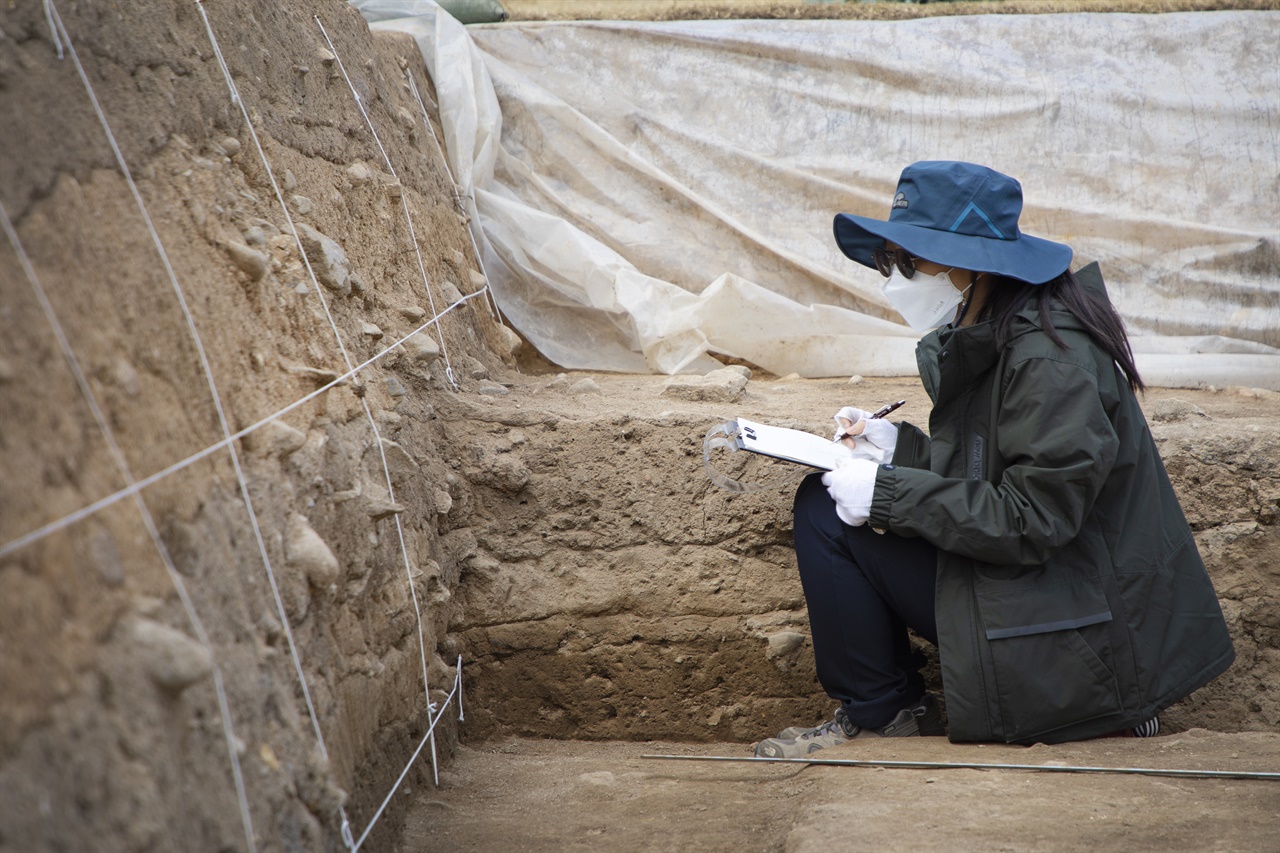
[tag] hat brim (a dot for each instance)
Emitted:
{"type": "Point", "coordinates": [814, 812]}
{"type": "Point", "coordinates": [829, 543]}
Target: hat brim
{"type": "Point", "coordinates": [1030, 259]}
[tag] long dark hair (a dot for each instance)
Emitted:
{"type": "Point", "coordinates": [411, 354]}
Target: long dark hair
{"type": "Point", "coordinates": [1008, 296]}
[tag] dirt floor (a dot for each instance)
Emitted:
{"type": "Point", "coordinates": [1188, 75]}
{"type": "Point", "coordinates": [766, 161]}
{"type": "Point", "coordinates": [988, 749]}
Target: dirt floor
{"type": "Point", "coordinates": [236, 660]}
{"type": "Point", "coordinates": [532, 795]}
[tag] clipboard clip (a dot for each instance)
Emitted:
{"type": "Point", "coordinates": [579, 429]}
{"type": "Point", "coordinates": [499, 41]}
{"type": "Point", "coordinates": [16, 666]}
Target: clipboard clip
{"type": "Point", "coordinates": [729, 436]}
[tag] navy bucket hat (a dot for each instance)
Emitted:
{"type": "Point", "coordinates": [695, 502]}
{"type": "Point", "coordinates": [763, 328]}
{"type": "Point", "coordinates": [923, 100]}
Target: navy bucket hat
{"type": "Point", "coordinates": [959, 215]}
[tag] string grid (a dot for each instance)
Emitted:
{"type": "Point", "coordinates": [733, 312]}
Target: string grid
{"type": "Point", "coordinates": [134, 487]}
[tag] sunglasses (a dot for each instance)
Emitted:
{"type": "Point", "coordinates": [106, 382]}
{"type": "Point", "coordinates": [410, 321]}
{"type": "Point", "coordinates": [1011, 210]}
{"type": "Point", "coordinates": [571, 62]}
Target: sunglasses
{"type": "Point", "coordinates": [885, 260]}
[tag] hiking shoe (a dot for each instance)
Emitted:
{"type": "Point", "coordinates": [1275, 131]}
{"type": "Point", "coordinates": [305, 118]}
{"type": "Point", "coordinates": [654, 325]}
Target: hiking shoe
{"type": "Point", "coordinates": [835, 731]}
{"type": "Point", "coordinates": [924, 719]}
{"type": "Point", "coordinates": [921, 720]}
{"type": "Point", "coordinates": [792, 732]}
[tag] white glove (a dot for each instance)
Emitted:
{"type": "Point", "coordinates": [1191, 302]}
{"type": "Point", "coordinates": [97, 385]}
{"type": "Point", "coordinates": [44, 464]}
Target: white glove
{"type": "Point", "coordinates": [878, 438]}
{"type": "Point", "coordinates": [852, 486]}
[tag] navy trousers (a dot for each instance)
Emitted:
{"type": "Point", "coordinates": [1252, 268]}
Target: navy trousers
{"type": "Point", "coordinates": [863, 589]}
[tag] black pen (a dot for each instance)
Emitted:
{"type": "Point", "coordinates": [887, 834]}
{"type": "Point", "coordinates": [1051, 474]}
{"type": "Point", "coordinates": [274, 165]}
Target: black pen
{"type": "Point", "coordinates": [876, 415]}
{"type": "Point", "coordinates": [884, 410]}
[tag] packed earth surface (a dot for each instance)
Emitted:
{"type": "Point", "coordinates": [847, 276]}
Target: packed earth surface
{"type": "Point", "coordinates": [203, 649]}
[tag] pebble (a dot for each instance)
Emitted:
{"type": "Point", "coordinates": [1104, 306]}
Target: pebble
{"type": "Point", "coordinates": [783, 643]}
{"type": "Point", "coordinates": [126, 377]}
{"type": "Point", "coordinates": [106, 556]}
{"type": "Point", "coordinates": [307, 551]}
{"type": "Point", "coordinates": [856, 379]}
{"type": "Point", "coordinates": [290, 182]}
{"type": "Point", "coordinates": [413, 313]}
{"type": "Point", "coordinates": [275, 438]}
{"type": "Point", "coordinates": [173, 660]}
{"type": "Point", "coordinates": [561, 381]}
{"type": "Point", "coordinates": [450, 292]}
{"type": "Point", "coordinates": [477, 280]}
{"type": "Point", "coordinates": [475, 369]}
{"type": "Point", "coordinates": [301, 205]}
{"type": "Point", "coordinates": [459, 259]}
{"type": "Point", "coordinates": [494, 389]}
{"type": "Point", "coordinates": [421, 347]}
{"type": "Point", "coordinates": [359, 174]}
{"type": "Point", "coordinates": [511, 341]}
{"type": "Point", "coordinates": [380, 508]}
{"type": "Point", "coordinates": [250, 261]}
{"type": "Point", "coordinates": [230, 145]}
{"type": "Point", "coordinates": [443, 502]}
{"type": "Point", "coordinates": [395, 388]}
{"type": "Point", "coordinates": [585, 386]}
{"type": "Point", "coordinates": [357, 283]}
{"type": "Point", "coordinates": [371, 330]}
{"type": "Point", "coordinates": [328, 260]}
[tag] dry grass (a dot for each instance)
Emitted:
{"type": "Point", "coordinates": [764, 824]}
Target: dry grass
{"type": "Point", "coordinates": [681, 10]}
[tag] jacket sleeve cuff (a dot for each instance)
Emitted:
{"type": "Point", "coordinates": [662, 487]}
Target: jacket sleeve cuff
{"type": "Point", "coordinates": [887, 479]}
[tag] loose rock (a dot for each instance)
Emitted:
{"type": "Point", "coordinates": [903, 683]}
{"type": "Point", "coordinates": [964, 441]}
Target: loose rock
{"type": "Point", "coordinates": [413, 313]}
{"type": "Point", "coordinates": [585, 386]}
{"type": "Point", "coordinates": [1173, 409]}
{"type": "Point", "coordinates": [172, 659]}
{"type": "Point", "coordinates": [275, 438]}
{"type": "Point", "coordinates": [250, 261]}
{"type": "Point", "coordinates": [719, 386]}
{"type": "Point", "coordinates": [395, 388]}
{"type": "Point", "coordinates": [305, 550]}
{"type": "Point", "coordinates": [511, 342]}
{"type": "Point", "coordinates": [783, 643]}
{"type": "Point", "coordinates": [328, 260]}
{"type": "Point", "coordinates": [420, 347]}
{"type": "Point", "coordinates": [371, 330]}
{"type": "Point", "coordinates": [359, 174]}
{"type": "Point", "coordinates": [450, 292]}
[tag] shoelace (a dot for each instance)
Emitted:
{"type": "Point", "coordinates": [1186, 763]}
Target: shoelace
{"type": "Point", "coordinates": [829, 727]}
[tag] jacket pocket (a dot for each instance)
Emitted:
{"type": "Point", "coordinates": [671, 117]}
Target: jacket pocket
{"type": "Point", "coordinates": [1051, 655]}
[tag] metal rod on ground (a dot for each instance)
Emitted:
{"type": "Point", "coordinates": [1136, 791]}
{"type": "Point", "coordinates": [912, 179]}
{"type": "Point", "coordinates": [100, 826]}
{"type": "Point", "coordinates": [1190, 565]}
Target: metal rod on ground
{"type": "Point", "coordinates": [964, 765]}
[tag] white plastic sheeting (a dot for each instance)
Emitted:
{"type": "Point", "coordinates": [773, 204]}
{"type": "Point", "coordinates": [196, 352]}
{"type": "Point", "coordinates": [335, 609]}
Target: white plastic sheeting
{"type": "Point", "coordinates": [646, 193]}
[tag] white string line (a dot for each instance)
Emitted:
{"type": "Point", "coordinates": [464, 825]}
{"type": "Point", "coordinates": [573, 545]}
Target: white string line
{"type": "Point", "coordinates": [237, 99]}
{"type": "Point", "coordinates": [475, 212]}
{"type": "Point", "coordinates": [457, 690]}
{"type": "Point", "coordinates": [426, 284]}
{"type": "Point", "coordinates": [57, 42]}
{"type": "Point", "coordinates": [404, 201]}
{"type": "Point", "coordinates": [151, 479]}
{"type": "Point", "coordinates": [204, 363]}
{"type": "Point", "coordinates": [122, 465]}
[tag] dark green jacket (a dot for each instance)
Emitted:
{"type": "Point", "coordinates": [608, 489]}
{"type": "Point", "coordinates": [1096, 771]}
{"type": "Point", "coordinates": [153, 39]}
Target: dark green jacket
{"type": "Point", "coordinates": [1071, 599]}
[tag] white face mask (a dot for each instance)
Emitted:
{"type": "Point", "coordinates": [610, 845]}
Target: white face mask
{"type": "Point", "coordinates": [925, 301]}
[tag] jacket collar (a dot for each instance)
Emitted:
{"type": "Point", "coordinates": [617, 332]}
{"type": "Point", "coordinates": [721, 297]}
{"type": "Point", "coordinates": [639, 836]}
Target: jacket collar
{"type": "Point", "coordinates": [952, 358]}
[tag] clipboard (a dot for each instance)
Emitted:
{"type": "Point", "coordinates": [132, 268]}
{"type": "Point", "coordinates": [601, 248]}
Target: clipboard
{"type": "Point", "coordinates": [792, 445]}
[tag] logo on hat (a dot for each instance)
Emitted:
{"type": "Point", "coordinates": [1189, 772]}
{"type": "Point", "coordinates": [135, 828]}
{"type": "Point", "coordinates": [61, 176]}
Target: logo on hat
{"type": "Point", "coordinates": [899, 200]}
